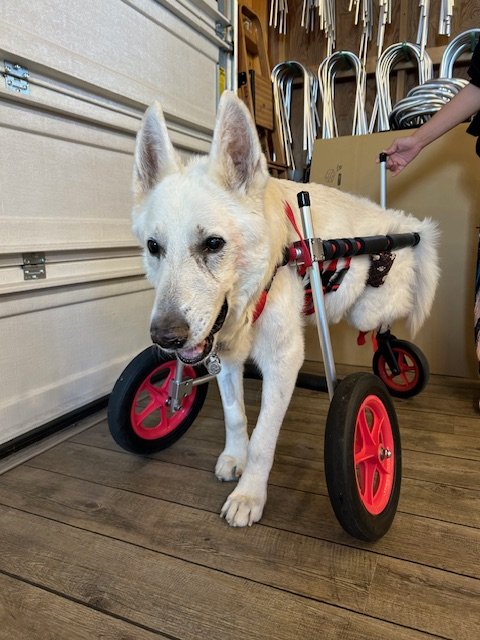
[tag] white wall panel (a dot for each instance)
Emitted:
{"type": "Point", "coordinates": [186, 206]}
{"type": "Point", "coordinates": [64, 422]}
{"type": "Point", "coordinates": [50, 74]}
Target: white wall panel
{"type": "Point", "coordinates": [138, 50]}
{"type": "Point", "coordinates": [58, 358]}
{"type": "Point", "coordinates": [66, 152]}
{"type": "Point", "coordinates": [61, 192]}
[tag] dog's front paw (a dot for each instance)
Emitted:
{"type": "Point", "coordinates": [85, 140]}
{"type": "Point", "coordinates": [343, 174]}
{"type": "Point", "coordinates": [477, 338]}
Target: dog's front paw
{"type": "Point", "coordinates": [229, 467]}
{"type": "Point", "coordinates": [241, 509]}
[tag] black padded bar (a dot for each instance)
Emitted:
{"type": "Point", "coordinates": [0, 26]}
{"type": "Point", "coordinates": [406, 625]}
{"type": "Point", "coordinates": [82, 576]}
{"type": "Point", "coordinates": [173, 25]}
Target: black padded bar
{"type": "Point", "coordinates": [348, 247]}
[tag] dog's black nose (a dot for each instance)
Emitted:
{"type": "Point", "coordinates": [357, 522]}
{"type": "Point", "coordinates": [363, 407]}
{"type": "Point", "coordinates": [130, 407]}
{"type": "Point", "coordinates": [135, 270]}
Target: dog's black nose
{"type": "Point", "coordinates": [170, 333]}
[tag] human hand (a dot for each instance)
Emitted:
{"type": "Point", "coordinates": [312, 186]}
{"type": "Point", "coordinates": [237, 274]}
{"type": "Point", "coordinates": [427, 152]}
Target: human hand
{"type": "Point", "coordinates": [401, 152]}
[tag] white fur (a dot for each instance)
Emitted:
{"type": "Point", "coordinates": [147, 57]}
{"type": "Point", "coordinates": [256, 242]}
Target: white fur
{"type": "Point", "coordinates": [230, 195]}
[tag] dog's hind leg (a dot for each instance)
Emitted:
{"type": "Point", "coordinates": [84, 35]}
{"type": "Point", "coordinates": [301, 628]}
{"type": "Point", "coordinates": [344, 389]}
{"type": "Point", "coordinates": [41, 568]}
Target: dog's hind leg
{"type": "Point", "coordinates": [232, 460]}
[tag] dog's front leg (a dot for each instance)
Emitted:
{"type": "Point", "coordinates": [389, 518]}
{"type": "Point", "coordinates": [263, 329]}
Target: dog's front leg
{"type": "Point", "coordinates": [245, 504]}
{"type": "Point", "coordinates": [231, 463]}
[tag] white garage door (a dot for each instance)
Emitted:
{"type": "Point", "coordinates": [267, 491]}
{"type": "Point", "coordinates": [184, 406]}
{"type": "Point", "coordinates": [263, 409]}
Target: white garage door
{"type": "Point", "coordinates": [78, 75]}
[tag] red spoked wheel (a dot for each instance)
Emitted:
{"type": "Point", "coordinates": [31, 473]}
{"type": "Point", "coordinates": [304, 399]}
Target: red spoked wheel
{"type": "Point", "coordinates": [363, 456]}
{"type": "Point", "coordinates": [374, 455]}
{"type": "Point", "coordinates": [140, 416]}
{"type": "Point", "coordinates": [412, 372]}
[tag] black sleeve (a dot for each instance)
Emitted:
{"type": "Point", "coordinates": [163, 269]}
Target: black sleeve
{"type": "Point", "coordinates": [474, 68]}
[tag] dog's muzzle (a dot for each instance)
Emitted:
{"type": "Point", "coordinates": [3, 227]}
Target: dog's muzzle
{"type": "Point", "coordinates": [201, 351]}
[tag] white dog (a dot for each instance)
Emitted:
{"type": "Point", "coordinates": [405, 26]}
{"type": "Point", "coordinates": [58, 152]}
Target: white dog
{"type": "Point", "coordinates": [214, 233]}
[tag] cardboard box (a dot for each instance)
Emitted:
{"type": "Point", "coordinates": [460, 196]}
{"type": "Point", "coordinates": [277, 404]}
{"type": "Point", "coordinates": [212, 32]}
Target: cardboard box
{"type": "Point", "coordinates": [444, 183]}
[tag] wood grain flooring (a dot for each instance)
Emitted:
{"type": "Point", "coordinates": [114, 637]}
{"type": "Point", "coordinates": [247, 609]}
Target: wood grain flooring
{"type": "Point", "coordinates": [98, 543]}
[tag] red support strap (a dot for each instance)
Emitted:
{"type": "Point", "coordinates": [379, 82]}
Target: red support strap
{"type": "Point", "coordinates": [259, 306]}
{"type": "Point", "coordinates": [307, 258]}
{"type": "Point", "coordinates": [361, 339]}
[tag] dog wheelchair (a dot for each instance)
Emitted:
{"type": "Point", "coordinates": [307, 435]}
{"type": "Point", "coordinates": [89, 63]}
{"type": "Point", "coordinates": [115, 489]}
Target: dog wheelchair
{"type": "Point", "coordinates": [157, 398]}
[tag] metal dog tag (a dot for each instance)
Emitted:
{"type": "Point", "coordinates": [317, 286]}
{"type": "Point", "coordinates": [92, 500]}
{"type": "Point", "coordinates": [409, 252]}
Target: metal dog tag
{"type": "Point", "coordinates": [213, 364]}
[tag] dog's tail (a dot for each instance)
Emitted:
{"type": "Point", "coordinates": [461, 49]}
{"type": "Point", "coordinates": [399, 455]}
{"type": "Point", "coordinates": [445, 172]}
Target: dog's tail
{"type": "Point", "coordinates": [427, 273]}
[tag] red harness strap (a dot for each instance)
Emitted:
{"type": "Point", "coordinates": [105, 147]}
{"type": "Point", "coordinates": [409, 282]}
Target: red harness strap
{"type": "Point", "coordinates": [262, 301]}
{"type": "Point", "coordinates": [332, 274]}
{"type": "Point", "coordinates": [259, 306]}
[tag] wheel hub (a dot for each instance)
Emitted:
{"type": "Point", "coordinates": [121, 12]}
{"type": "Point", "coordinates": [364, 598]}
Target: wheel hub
{"type": "Point", "coordinates": [384, 453]}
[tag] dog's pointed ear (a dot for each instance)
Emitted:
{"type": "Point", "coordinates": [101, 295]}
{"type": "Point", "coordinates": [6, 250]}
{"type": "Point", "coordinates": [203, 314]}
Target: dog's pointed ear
{"type": "Point", "coordinates": [236, 157]}
{"type": "Point", "coordinates": [155, 156]}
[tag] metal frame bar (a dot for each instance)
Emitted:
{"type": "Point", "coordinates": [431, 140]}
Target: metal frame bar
{"type": "Point", "coordinates": [317, 293]}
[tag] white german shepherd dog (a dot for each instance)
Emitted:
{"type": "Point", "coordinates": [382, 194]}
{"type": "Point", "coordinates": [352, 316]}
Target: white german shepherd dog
{"type": "Point", "coordinates": [214, 232]}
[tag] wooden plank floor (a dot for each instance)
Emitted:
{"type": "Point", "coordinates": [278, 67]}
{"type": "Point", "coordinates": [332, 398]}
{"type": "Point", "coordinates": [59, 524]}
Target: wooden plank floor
{"type": "Point", "coordinates": [99, 543]}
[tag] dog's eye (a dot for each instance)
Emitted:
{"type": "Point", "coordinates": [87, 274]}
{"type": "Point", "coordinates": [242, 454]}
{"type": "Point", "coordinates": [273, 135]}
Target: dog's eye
{"type": "Point", "coordinates": [153, 247]}
{"type": "Point", "coordinates": [214, 244]}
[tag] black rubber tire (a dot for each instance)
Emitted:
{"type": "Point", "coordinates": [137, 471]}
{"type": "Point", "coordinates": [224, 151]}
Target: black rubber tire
{"type": "Point", "coordinates": [123, 397]}
{"type": "Point", "coordinates": [340, 471]}
{"type": "Point", "coordinates": [405, 389]}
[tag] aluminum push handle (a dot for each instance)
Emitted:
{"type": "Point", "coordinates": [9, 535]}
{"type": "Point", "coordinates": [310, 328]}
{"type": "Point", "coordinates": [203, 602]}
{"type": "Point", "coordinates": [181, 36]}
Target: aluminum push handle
{"type": "Point", "coordinates": [382, 159]}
